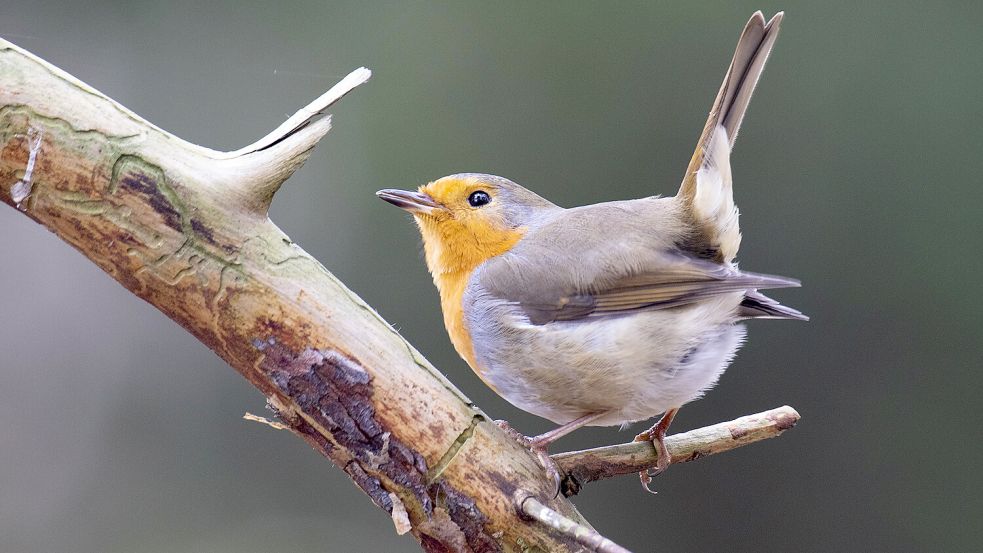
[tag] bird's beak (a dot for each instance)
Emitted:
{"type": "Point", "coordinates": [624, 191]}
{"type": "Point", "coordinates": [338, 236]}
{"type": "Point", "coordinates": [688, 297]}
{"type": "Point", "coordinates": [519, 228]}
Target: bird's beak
{"type": "Point", "coordinates": [414, 202]}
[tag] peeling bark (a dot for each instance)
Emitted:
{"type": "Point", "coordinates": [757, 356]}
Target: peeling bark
{"type": "Point", "coordinates": [186, 229]}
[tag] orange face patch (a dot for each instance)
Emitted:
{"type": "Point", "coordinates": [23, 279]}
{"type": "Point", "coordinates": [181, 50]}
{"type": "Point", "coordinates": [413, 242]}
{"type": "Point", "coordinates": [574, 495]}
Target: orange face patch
{"type": "Point", "coordinates": [457, 239]}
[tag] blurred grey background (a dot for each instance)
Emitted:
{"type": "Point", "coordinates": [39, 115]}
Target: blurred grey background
{"type": "Point", "coordinates": [858, 171]}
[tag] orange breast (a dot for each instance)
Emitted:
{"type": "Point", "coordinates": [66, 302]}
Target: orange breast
{"type": "Point", "coordinates": [451, 286]}
{"type": "Point", "coordinates": [453, 251]}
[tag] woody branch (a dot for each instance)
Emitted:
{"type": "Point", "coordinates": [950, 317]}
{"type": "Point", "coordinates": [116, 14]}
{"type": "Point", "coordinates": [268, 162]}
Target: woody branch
{"type": "Point", "coordinates": [583, 467]}
{"type": "Point", "coordinates": [186, 229]}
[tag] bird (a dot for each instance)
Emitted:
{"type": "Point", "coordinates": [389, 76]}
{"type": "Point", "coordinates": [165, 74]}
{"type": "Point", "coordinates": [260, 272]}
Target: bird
{"type": "Point", "coordinates": [605, 314]}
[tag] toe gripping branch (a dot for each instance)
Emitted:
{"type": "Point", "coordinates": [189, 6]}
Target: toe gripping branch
{"type": "Point", "coordinates": [582, 467]}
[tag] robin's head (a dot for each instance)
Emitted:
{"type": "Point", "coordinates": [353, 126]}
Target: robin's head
{"type": "Point", "coordinates": [468, 218]}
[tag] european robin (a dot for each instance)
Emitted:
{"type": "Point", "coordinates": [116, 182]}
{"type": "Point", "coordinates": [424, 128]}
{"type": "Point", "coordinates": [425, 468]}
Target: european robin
{"type": "Point", "coordinates": [609, 313]}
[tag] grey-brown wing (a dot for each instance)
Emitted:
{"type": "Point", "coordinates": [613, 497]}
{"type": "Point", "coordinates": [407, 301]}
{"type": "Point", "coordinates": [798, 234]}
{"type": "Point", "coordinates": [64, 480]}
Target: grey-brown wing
{"type": "Point", "coordinates": [662, 281]}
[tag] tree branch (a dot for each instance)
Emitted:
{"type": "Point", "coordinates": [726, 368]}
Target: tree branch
{"type": "Point", "coordinates": [186, 229]}
{"type": "Point", "coordinates": [583, 467]}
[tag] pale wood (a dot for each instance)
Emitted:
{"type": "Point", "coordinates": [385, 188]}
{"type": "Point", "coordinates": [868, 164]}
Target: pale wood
{"type": "Point", "coordinates": [582, 467]}
{"type": "Point", "coordinates": [186, 228]}
{"type": "Point", "coordinates": [589, 538]}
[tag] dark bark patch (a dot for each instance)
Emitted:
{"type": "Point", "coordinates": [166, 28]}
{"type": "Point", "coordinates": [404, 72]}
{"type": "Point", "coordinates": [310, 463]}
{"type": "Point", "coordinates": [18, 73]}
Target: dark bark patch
{"type": "Point", "coordinates": [203, 231]}
{"type": "Point", "coordinates": [432, 545]}
{"type": "Point", "coordinates": [208, 235]}
{"type": "Point", "coordinates": [503, 483]}
{"type": "Point", "coordinates": [371, 486]}
{"type": "Point", "coordinates": [466, 515]}
{"type": "Point", "coordinates": [148, 185]}
{"type": "Point", "coordinates": [336, 391]}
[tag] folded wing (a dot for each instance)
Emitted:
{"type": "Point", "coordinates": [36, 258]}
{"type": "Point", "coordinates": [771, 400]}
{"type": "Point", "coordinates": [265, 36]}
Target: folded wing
{"type": "Point", "coordinates": [668, 280]}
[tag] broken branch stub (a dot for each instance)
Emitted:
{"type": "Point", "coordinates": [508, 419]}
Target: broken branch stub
{"type": "Point", "coordinates": [186, 229]}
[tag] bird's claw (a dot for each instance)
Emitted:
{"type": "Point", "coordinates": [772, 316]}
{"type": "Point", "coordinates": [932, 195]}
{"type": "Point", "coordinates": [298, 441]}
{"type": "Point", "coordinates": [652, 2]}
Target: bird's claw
{"type": "Point", "coordinates": [665, 458]}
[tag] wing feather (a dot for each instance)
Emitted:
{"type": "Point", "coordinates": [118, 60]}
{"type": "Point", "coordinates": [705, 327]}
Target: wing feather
{"type": "Point", "coordinates": [678, 280]}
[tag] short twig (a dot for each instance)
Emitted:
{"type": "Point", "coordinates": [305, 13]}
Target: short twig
{"type": "Point", "coordinates": [530, 507]}
{"type": "Point", "coordinates": [263, 420]}
{"type": "Point", "coordinates": [581, 467]}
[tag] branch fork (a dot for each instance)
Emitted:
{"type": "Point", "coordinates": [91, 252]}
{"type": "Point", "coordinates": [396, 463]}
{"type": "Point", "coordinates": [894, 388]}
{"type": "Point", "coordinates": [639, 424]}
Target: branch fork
{"type": "Point", "coordinates": [186, 228]}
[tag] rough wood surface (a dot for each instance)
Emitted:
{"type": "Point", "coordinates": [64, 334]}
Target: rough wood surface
{"type": "Point", "coordinates": [186, 229]}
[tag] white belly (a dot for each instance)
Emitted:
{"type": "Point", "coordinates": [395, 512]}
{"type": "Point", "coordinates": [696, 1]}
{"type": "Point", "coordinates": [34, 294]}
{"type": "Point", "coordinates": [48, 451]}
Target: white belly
{"type": "Point", "coordinates": [632, 367]}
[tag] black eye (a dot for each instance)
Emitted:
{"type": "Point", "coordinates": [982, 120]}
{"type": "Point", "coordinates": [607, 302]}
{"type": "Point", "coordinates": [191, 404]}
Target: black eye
{"type": "Point", "coordinates": [479, 198]}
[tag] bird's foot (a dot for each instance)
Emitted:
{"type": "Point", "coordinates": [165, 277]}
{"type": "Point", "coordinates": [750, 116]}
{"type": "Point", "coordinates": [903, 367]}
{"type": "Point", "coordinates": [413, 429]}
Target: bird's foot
{"type": "Point", "coordinates": [665, 459]}
{"type": "Point", "coordinates": [657, 435]}
{"type": "Point", "coordinates": [539, 447]}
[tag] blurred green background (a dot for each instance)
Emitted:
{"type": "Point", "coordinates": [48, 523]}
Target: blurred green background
{"type": "Point", "coordinates": [858, 171]}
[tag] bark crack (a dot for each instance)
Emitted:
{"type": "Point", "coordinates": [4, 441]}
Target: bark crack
{"type": "Point", "coordinates": [448, 457]}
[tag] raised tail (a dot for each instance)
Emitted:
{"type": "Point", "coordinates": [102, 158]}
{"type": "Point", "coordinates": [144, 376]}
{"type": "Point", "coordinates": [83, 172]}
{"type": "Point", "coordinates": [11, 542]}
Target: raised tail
{"type": "Point", "coordinates": [706, 187]}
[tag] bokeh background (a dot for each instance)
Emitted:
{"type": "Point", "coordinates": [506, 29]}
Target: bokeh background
{"type": "Point", "coordinates": [858, 171]}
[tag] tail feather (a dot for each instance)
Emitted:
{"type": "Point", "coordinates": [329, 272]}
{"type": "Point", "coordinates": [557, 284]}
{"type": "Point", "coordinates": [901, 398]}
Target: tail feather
{"type": "Point", "coordinates": [759, 306]}
{"type": "Point", "coordinates": [713, 202]}
{"type": "Point", "coordinates": [749, 62]}
{"type": "Point", "coordinates": [719, 216]}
